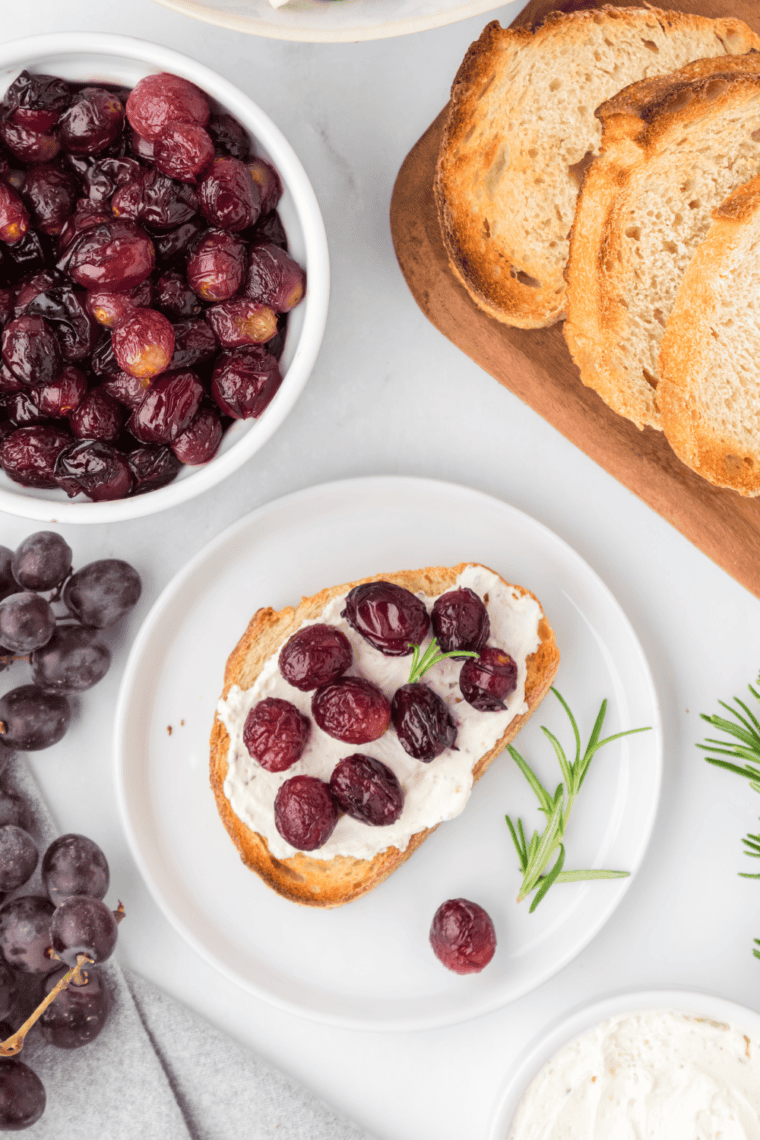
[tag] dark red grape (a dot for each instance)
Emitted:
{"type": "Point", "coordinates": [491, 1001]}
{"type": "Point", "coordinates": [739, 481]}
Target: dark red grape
{"type": "Point", "coordinates": [269, 228]}
{"type": "Point", "coordinates": [31, 285]}
{"type": "Point", "coordinates": [6, 306]}
{"type": "Point", "coordinates": [462, 936]}
{"type": "Point", "coordinates": [174, 245]}
{"type": "Point", "coordinates": [51, 195]}
{"type": "Point", "coordinates": [268, 181]}
{"type": "Point", "coordinates": [93, 121]}
{"type": "Point", "coordinates": [228, 136]}
{"type": "Point", "coordinates": [31, 719]}
{"type": "Point", "coordinates": [183, 151]}
{"type": "Point", "coordinates": [194, 342]}
{"type": "Point", "coordinates": [242, 322]}
{"type": "Point", "coordinates": [199, 442]}
{"type": "Point", "coordinates": [152, 465]}
{"type": "Point", "coordinates": [274, 278]}
{"type": "Point", "coordinates": [114, 256]}
{"type": "Point", "coordinates": [175, 297]}
{"type": "Point", "coordinates": [26, 621]}
{"type": "Point", "coordinates": [351, 709]}
{"type": "Point", "coordinates": [143, 344]}
{"type": "Point", "coordinates": [18, 857]}
{"type": "Point", "coordinates": [64, 309]}
{"type": "Point", "coordinates": [216, 266]}
{"type": "Point", "coordinates": [169, 406]}
{"type": "Point", "coordinates": [101, 593]}
{"type": "Point", "coordinates": [389, 617]}
{"type": "Point", "coordinates": [22, 1096]}
{"type": "Point", "coordinates": [422, 721]}
{"type": "Point", "coordinates": [74, 865]}
{"type": "Point", "coordinates": [460, 621]}
{"type": "Point", "coordinates": [127, 390]}
{"type": "Point", "coordinates": [78, 1013]}
{"type": "Point", "coordinates": [28, 145]}
{"type": "Point", "coordinates": [104, 176]}
{"type": "Point", "coordinates": [314, 656]}
{"type": "Point", "coordinates": [97, 416]}
{"type": "Point", "coordinates": [276, 734]}
{"type": "Point", "coordinates": [41, 561]}
{"type": "Point", "coordinates": [110, 309]}
{"type": "Point", "coordinates": [103, 361]}
{"type": "Point", "coordinates": [26, 936]}
{"type": "Point", "coordinates": [14, 219]}
{"type": "Point", "coordinates": [23, 407]}
{"type": "Point", "coordinates": [305, 812]}
{"type": "Point", "coordinates": [29, 455]}
{"type": "Point", "coordinates": [64, 394]}
{"type": "Point", "coordinates": [31, 350]}
{"type": "Point", "coordinates": [229, 198]}
{"type": "Point", "coordinates": [38, 95]}
{"type": "Point", "coordinates": [158, 100]}
{"type": "Point", "coordinates": [487, 680]}
{"type": "Point", "coordinates": [74, 659]}
{"type": "Point", "coordinates": [86, 216]}
{"type": "Point", "coordinates": [367, 790]}
{"type": "Point", "coordinates": [140, 146]}
{"type": "Point", "coordinates": [9, 384]}
{"type": "Point", "coordinates": [83, 925]}
{"type": "Point", "coordinates": [157, 201]}
{"type": "Point", "coordinates": [93, 468]}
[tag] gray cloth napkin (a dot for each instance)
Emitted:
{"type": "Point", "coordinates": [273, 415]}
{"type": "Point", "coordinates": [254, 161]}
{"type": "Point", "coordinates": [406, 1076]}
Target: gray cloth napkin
{"type": "Point", "coordinates": [157, 1071]}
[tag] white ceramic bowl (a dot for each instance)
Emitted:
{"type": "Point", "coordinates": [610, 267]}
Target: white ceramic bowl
{"type": "Point", "coordinates": [123, 60]}
{"type": "Point", "coordinates": [572, 1025]}
{"type": "Point", "coordinates": [319, 21]}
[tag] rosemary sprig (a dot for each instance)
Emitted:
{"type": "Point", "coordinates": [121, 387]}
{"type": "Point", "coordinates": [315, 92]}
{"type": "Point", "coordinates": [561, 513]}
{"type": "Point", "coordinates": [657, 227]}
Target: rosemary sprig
{"type": "Point", "coordinates": [536, 854]}
{"type": "Point", "coordinates": [744, 728]}
{"type": "Point", "coordinates": [432, 655]}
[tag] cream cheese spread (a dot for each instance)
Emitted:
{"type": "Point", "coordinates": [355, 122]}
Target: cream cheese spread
{"type": "Point", "coordinates": [653, 1075]}
{"type": "Point", "coordinates": [433, 792]}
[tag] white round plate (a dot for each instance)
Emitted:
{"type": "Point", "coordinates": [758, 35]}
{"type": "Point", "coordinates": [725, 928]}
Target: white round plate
{"type": "Point", "coordinates": [369, 964]}
{"type": "Point", "coordinates": [574, 1024]}
{"type": "Point", "coordinates": [323, 21]}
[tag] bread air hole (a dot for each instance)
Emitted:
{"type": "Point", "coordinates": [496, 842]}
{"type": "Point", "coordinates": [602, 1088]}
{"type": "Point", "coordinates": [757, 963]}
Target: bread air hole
{"type": "Point", "coordinates": [634, 232]}
{"type": "Point", "coordinates": [577, 170]}
{"type": "Point", "coordinates": [650, 379]}
{"type": "Point", "coordinates": [555, 84]}
{"type": "Point", "coordinates": [755, 136]}
{"type": "Point", "coordinates": [525, 278]}
{"type": "Point", "coordinates": [735, 464]}
{"type": "Point", "coordinates": [650, 45]}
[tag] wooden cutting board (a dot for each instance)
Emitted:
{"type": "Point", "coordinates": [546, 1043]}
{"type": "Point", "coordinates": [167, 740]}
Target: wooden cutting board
{"type": "Point", "coordinates": [536, 364]}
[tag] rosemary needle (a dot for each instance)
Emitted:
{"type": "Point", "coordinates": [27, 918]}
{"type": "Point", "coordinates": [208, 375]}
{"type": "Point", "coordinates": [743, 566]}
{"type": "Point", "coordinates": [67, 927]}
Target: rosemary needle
{"type": "Point", "coordinates": [535, 854]}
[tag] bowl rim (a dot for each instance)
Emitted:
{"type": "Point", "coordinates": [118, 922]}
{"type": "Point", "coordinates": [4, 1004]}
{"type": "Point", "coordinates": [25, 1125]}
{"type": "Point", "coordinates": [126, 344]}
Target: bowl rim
{"type": "Point", "coordinates": [572, 1024]}
{"type": "Point", "coordinates": [25, 52]}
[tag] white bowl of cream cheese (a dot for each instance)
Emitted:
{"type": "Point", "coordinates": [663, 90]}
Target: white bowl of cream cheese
{"type": "Point", "coordinates": [665, 1065]}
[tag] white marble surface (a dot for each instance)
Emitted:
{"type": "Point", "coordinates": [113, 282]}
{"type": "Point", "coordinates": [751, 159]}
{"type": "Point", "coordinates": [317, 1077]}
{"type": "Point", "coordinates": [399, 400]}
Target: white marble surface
{"type": "Point", "coordinates": [391, 395]}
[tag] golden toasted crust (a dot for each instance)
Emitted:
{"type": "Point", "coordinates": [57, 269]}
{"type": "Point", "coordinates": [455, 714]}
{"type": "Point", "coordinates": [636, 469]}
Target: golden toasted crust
{"type": "Point", "coordinates": [330, 883]}
{"type": "Point", "coordinates": [655, 134]}
{"type": "Point", "coordinates": [511, 157]}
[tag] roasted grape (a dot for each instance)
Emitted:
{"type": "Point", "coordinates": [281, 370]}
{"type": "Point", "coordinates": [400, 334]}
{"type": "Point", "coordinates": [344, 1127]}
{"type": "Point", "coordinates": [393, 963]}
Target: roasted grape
{"type": "Point", "coordinates": [78, 1013]}
{"type": "Point", "coordinates": [216, 266]}
{"type": "Point", "coordinates": [305, 812]}
{"type": "Point", "coordinates": [116, 255]}
{"type": "Point", "coordinates": [81, 925]}
{"type": "Point", "coordinates": [169, 406]}
{"type": "Point", "coordinates": [64, 394]}
{"type": "Point", "coordinates": [274, 278]}
{"type": "Point", "coordinates": [462, 936]}
{"type": "Point", "coordinates": [314, 656]}
{"type": "Point", "coordinates": [101, 593]}
{"type": "Point", "coordinates": [152, 465]}
{"type": "Point", "coordinates": [423, 723]}
{"type": "Point", "coordinates": [143, 343]}
{"type": "Point", "coordinates": [31, 350]}
{"type": "Point", "coordinates": [183, 151]}
{"type": "Point", "coordinates": [229, 198]}
{"type": "Point", "coordinates": [41, 561]}
{"type": "Point", "coordinates": [97, 416]}
{"type": "Point", "coordinates": [50, 194]}
{"type": "Point", "coordinates": [242, 322]}
{"type": "Point", "coordinates": [389, 617]}
{"type": "Point", "coordinates": [32, 719]}
{"type": "Point", "coordinates": [244, 383]}
{"type": "Point", "coordinates": [200, 440]}
{"type": "Point", "coordinates": [460, 621]}
{"type": "Point", "coordinates": [159, 100]}
{"type": "Point", "coordinates": [93, 121]}
{"type": "Point", "coordinates": [29, 454]}
{"type": "Point", "coordinates": [351, 709]}
{"type": "Point", "coordinates": [14, 219]}
{"type": "Point", "coordinates": [367, 790]}
{"type": "Point", "coordinates": [93, 468]}
{"type": "Point", "coordinates": [276, 734]}
{"type": "Point", "coordinates": [74, 865]}
{"type": "Point", "coordinates": [486, 681]}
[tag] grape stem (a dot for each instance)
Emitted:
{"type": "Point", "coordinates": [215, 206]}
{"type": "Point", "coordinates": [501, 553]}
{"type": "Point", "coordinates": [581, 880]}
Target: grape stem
{"type": "Point", "coordinates": [15, 1043]}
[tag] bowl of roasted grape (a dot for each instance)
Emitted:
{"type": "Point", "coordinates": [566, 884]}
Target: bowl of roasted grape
{"type": "Point", "coordinates": [164, 278]}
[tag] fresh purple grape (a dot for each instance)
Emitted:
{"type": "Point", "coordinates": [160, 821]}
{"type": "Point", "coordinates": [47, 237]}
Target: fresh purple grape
{"type": "Point", "coordinates": [351, 709]}
{"type": "Point", "coordinates": [26, 621]}
{"type": "Point", "coordinates": [305, 812]}
{"type": "Point", "coordinates": [26, 935]}
{"type": "Point", "coordinates": [460, 621]}
{"type": "Point", "coordinates": [31, 719]}
{"type": "Point", "coordinates": [18, 857]}
{"type": "Point", "coordinates": [22, 1096]}
{"type": "Point", "coordinates": [83, 925]}
{"type": "Point", "coordinates": [74, 865]}
{"type": "Point", "coordinates": [422, 721]}
{"type": "Point", "coordinates": [102, 592]}
{"type": "Point", "coordinates": [74, 659]}
{"type": "Point", "coordinates": [276, 734]}
{"type": "Point", "coordinates": [13, 807]}
{"type": "Point", "coordinates": [78, 1013]}
{"type": "Point", "coordinates": [391, 618]}
{"type": "Point", "coordinates": [486, 681]}
{"type": "Point", "coordinates": [462, 936]}
{"type": "Point", "coordinates": [8, 584]}
{"type": "Point", "coordinates": [367, 790]}
{"type": "Point", "coordinates": [42, 561]}
{"type": "Point", "coordinates": [8, 991]}
{"type": "Point", "coordinates": [314, 656]}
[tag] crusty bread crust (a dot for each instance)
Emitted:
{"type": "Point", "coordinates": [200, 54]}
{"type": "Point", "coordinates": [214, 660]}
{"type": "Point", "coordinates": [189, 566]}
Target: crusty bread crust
{"type": "Point", "coordinates": [513, 153]}
{"type": "Point", "coordinates": [333, 882]}
{"type": "Point", "coordinates": [639, 217]}
{"type": "Point", "coordinates": [710, 353]}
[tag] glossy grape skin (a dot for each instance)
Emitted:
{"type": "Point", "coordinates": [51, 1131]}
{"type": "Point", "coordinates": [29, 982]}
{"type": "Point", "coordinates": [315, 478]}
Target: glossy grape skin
{"type": "Point", "coordinates": [241, 322]}
{"type": "Point", "coordinates": [268, 181]}
{"type": "Point", "coordinates": [83, 925]}
{"type": "Point", "coordinates": [74, 865]}
{"type": "Point", "coordinates": [50, 194]}
{"type": "Point", "coordinates": [158, 100]}
{"type": "Point", "coordinates": [153, 465]}
{"type": "Point", "coordinates": [169, 406]}
{"type": "Point", "coordinates": [27, 145]}
{"type": "Point", "coordinates": [29, 455]}
{"type": "Point", "coordinates": [78, 1013]}
{"type": "Point", "coordinates": [194, 342]}
{"type": "Point", "coordinates": [129, 391]}
{"type": "Point", "coordinates": [157, 201]}
{"type": "Point", "coordinates": [244, 383]}
{"type": "Point", "coordinates": [41, 561]}
{"type": "Point", "coordinates": [22, 1096]}
{"type": "Point", "coordinates": [460, 621]}
{"type": "Point", "coordinates": [200, 440]}
{"type": "Point", "coordinates": [276, 734]}
{"type": "Point", "coordinates": [26, 935]}
{"type": "Point", "coordinates": [274, 278]}
{"type": "Point", "coordinates": [74, 659]}
{"type": "Point", "coordinates": [228, 136]}
{"type": "Point", "coordinates": [143, 344]}
{"type": "Point", "coordinates": [314, 656]}
{"type": "Point", "coordinates": [367, 790]}
{"type": "Point", "coordinates": [486, 681]}
{"type": "Point", "coordinates": [93, 468]}
{"type": "Point", "coordinates": [64, 394]}
{"type": "Point", "coordinates": [26, 621]}
{"type": "Point", "coordinates": [93, 121]}
{"type": "Point", "coordinates": [351, 709]}
{"type": "Point", "coordinates": [305, 812]}
{"type": "Point", "coordinates": [14, 218]}
{"type": "Point", "coordinates": [116, 255]}
{"type": "Point", "coordinates": [41, 98]}
{"type": "Point", "coordinates": [97, 416]}
{"type": "Point", "coordinates": [31, 719]}
{"type": "Point", "coordinates": [462, 936]}
{"type": "Point", "coordinates": [183, 151]}
{"type": "Point", "coordinates": [18, 857]}
{"type": "Point", "coordinates": [216, 266]}
{"type": "Point", "coordinates": [31, 350]}
{"type": "Point", "coordinates": [103, 592]}
{"type": "Point", "coordinates": [229, 198]}
{"type": "Point", "coordinates": [63, 309]}
{"type": "Point", "coordinates": [175, 297]}
{"type": "Point", "coordinates": [422, 721]}
{"type": "Point", "coordinates": [389, 617]}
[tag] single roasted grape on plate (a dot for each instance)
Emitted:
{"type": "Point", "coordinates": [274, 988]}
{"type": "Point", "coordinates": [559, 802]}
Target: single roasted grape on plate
{"type": "Point", "coordinates": [367, 790]}
{"type": "Point", "coordinates": [462, 936]}
{"type": "Point", "coordinates": [83, 925]}
{"type": "Point", "coordinates": [276, 734]}
{"type": "Point", "coordinates": [32, 719]}
{"type": "Point", "coordinates": [25, 934]}
{"type": "Point", "coordinates": [78, 1013]}
{"type": "Point", "coordinates": [389, 617]}
{"type": "Point", "coordinates": [74, 865]}
{"type": "Point", "coordinates": [351, 709]}
{"type": "Point", "coordinates": [422, 721]}
{"type": "Point", "coordinates": [18, 857]}
{"type": "Point", "coordinates": [486, 681]}
{"type": "Point", "coordinates": [305, 812]}
{"type": "Point", "coordinates": [102, 592]}
{"type": "Point", "coordinates": [314, 656]}
{"type": "Point", "coordinates": [460, 621]}
{"type": "Point", "coordinates": [22, 1096]}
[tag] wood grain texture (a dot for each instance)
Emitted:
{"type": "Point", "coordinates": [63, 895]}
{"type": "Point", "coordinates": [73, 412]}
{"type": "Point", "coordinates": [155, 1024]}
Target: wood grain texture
{"type": "Point", "coordinates": [537, 367]}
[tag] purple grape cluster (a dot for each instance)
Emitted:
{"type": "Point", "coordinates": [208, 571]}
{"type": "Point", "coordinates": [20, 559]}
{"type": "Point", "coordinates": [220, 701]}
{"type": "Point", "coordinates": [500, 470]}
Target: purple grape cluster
{"type": "Point", "coordinates": [42, 936]}
{"type": "Point", "coordinates": [52, 617]}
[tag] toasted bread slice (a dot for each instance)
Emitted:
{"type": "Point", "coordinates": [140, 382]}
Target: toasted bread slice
{"type": "Point", "coordinates": [709, 367]}
{"type": "Point", "coordinates": [301, 877]}
{"type": "Point", "coordinates": [521, 128]}
{"type": "Point", "coordinates": [673, 149]}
